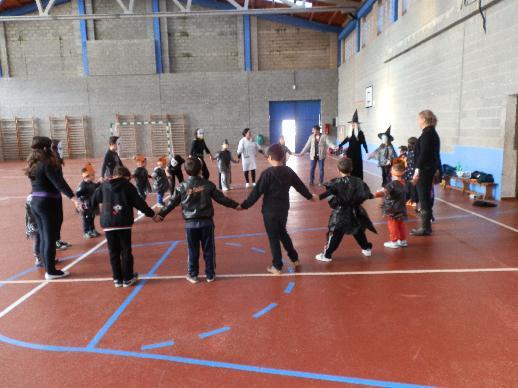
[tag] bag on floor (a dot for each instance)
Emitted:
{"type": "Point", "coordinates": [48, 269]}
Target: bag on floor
{"type": "Point", "coordinates": [448, 170]}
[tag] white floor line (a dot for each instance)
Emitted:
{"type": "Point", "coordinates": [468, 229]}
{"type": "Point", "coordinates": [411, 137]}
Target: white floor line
{"type": "Point", "coordinates": [43, 283]}
{"type": "Point", "coordinates": [464, 210]}
{"type": "Point", "coordinates": [288, 274]}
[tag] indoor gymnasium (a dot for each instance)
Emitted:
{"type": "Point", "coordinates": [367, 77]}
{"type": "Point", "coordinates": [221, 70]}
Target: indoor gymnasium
{"type": "Point", "coordinates": [258, 193]}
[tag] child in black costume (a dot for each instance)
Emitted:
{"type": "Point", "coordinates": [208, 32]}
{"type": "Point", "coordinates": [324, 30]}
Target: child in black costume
{"type": "Point", "coordinates": [85, 193]}
{"type": "Point", "coordinates": [141, 176]}
{"type": "Point", "coordinates": [346, 195]}
{"type": "Point", "coordinates": [160, 181]}
{"type": "Point", "coordinates": [174, 171]}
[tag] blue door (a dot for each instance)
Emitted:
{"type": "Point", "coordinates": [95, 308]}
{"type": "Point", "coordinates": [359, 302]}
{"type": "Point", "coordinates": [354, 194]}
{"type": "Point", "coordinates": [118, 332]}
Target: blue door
{"type": "Point", "coordinates": [306, 114]}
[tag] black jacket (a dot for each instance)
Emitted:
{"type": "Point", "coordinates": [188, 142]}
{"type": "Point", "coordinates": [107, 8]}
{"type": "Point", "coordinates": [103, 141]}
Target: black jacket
{"type": "Point", "coordinates": [119, 197]}
{"type": "Point", "coordinates": [111, 160]}
{"type": "Point", "coordinates": [177, 167]}
{"type": "Point", "coordinates": [160, 181]}
{"type": "Point", "coordinates": [141, 176]}
{"type": "Point", "coordinates": [428, 150]}
{"type": "Point", "coordinates": [198, 147]}
{"type": "Point", "coordinates": [345, 196]}
{"type": "Point", "coordinates": [394, 203]}
{"type": "Point", "coordinates": [49, 179]}
{"type": "Point", "coordinates": [275, 184]}
{"type": "Point", "coordinates": [85, 192]}
{"type": "Point", "coordinates": [196, 195]}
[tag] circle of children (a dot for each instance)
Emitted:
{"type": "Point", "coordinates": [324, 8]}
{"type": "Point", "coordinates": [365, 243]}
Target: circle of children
{"type": "Point", "coordinates": [405, 179]}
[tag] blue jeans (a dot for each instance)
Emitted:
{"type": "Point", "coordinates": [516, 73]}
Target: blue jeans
{"type": "Point", "coordinates": [160, 198]}
{"type": "Point", "coordinates": [312, 166]}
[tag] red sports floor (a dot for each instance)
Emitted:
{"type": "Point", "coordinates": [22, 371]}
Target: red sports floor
{"type": "Point", "coordinates": [442, 312]}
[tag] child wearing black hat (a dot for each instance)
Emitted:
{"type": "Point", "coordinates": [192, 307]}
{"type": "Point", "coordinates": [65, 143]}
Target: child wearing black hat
{"type": "Point", "coordinates": [345, 195]}
{"type": "Point", "coordinates": [384, 154]}
{"type": "Point", "coordinates": [275, 183]}
{"type": "Point", "coordinates": [111, 159]}
{"type": "Point", "coordinates": [224, 157]}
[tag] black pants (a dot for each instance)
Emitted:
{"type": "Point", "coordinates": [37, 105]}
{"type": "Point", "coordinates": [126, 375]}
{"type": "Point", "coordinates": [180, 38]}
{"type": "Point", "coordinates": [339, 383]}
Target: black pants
{"type": "Point", "coordinates": [424, 189]}
{"type": "Point", "coordinates": [88, 221]}
{"type": "Point", "coordinates": [36, 241]}
{"type": "Point", "coordinates": [335, 238]}
{"type": "Point", "coordinates": [172, 179]}
{"type": "Point", "coordinates": [60, 218]}
{"type": "Point", "coordinates": [121, 258]}
{"type": "Point", "coordinates": [385, 175]}
{"type": "Point", "coordinates": [204, 169]}
{"type": "Point", "coordinates": [47, 214]}
{"type": "Point", "coordinates": [247, 178]}
{"type": "Point", "coordinates": [275, 225]}
{"type": "Point", "coordinates": [204, 237]}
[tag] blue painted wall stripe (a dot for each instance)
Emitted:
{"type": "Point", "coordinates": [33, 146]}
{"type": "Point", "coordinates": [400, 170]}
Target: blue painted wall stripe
{"type": "Point", "coordinates": [289, 288]}
{"type": "Point", "coordinates": [358, 35]}
{"type": "Point", "coordinates": [158, 345]}
{"type": "Point", "coordinates": [116, 315]}
{"type": "Point", "coordinates": [260, 313]}
{"type": "Point", "coordinates": [214, 332]}
{"type": "Point", "coordinates": [395, 10]}
{"type": "Point", "coordinates": [158, 38]}
{"type": "Point", "coordinates": [84, 36]}
{"type": "Point", "coordinates": [248, 43]}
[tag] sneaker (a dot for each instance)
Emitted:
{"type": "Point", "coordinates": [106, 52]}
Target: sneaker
{"type": "Point", "coordinates": [117, 283]}
{"type": "Point", "coordinates": [253, 184]}
{"type": "Point", "coordinates": [132, 281]}
{"type": "Point", "coordinates": [95, 233]}
{"type": "Point", "coordinates": [62, 245]}
{"type": "Point", "coordinates": [87, 235]}
{"type": "Point", "coordinates": [160, 205]}
{"type": "Point", "coordinates": [402, 243]}
{"type": "Point", "coordinates": [273, 270]}
{"type": "Point", "coordinates": [211, 279]}
{"type": "Point", "coordinates": [192, 279]}
{"type": "Point", "coordinates": [38, 262]}
{"type": "Point", "coordinates": [57, 275]}
{"type": "Point", "coordinates": [139, 213]}
{"type": "Point", "coordinates": [322, 257]}
{"type": "Point", "coordinates": [247, 185]}
{"type": "Point", "coordinates": [367, 252]}
{"type": "Point", "coordinates": [225, 189]}
{"type": "Point", "coordinates": [391, 244]}
{"type": "Point", "coordinates": [296, 263]}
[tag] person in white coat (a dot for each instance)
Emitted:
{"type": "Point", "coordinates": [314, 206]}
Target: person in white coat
{"type": "Point", "coordinates": [316, 145]}
{"type": "Point", "coordinates": [247, 150]}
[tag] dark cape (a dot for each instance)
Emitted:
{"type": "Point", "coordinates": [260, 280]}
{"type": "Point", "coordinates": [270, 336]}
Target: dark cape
{"type": "Point", "coordinates": [354, 152]}
{"type": "Point", "coordinates": [345, 196]}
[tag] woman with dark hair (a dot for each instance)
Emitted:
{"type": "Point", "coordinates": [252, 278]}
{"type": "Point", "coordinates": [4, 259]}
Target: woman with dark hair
{"type": "Point", "coordinates": [57, 148]}
{"type": "Point", "coordinates": [427, 164]}
{"type": "Point", "coordinates": [198, 149]}
{"type": "Point", "coordinates": [247, 151]}
{"type": "Point", "coordinates": [47, 184]}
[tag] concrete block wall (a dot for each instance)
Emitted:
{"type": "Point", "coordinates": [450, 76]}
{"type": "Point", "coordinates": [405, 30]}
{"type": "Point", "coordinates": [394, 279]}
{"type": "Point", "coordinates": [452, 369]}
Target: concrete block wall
{"type": "Point", "coordinates": [42, 48]}
{"type": "Point", "coordinates": [437, 56]}
{"type": "Point", "coordinates": [113, 29]}
{"type": "Point", "coordinates": [281, 47]}
{"type": "Point", "coordinates": [202, 44]}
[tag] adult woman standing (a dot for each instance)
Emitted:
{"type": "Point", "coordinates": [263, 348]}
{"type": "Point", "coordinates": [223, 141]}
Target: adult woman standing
{"type": "Point", "coordinates": [198, 149]}
{"type": "Point", "coordinates": [57, 148]}
{"type": "Point", "coordinates": [47, 185]}
{"type": "Point", "coordinates": [356, 141]}
{"type": "Point", "coordinates": [247, 150]}
{"type": "Point", "coordinates": [427, 164]}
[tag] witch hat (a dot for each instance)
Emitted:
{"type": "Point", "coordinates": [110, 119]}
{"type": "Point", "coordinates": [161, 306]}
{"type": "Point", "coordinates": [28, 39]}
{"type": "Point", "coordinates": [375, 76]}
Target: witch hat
{"type": "Point", "coordinates": [355, 117]}
{"type": "Point", "coordinates": [225, 142]}
{"type": "Point", "coordinates": [387, 132]}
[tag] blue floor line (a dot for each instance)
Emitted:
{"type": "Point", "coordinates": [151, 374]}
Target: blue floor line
{"type": "Point", "coordinates": [116, 315]}
{"type": "Point", "coordinates": [212, 364]}
{"type": "Point", "coordinates": [157, 346]}
{"type": "Point", "coordinates": [289, 288]}
{"type": "Point", "coordinates": [214, 332]}
{"type": "Point", "coordinates": [260, 313]}
{"type": "Point", "coordinates": [258, 250]}
{"type": "Point", "coordinates": [232, 244]}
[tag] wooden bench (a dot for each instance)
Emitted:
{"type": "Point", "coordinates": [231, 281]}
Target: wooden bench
{"type": "Point", "coordinates": [487, 188]}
